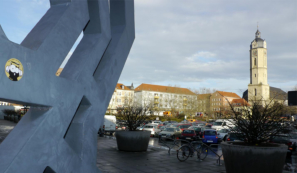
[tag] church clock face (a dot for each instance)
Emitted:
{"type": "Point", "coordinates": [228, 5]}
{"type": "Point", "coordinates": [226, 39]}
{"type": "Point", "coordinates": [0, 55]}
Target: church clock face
{"type": "Point", "coordinates": [255, 53]}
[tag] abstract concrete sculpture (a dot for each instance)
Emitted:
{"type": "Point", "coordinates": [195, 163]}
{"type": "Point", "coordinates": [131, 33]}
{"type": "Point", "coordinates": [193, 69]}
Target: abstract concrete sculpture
{"type": "Point", "coordinates": [59, 132]}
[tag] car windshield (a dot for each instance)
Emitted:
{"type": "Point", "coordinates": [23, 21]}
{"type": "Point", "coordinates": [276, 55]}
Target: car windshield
{"type": "Point", "coordinates": [162, 128]}
{"type": "Point", "coordinates": [293, 136]}
{"type": "Point", "coordinates": [279, 138]}
{"type": "Point", "coordinates": [148, 127]}
{"type": "Point", "coordinates": [236, 135]}
{"type": "Point", "coordinates": [210, 133]}
{"type": "Point", "coordinates": [224, 131]}
{"type": "Point", "coordinates": [170, 129]}
{"type": "Point", "coordinates": [184, 126]}
{"type": "Point", "coordinates": [217, 123]}
{"type": "Point", "coordinates": [188, 131]}
{"type": "Point", "coordinates": [197, 129]}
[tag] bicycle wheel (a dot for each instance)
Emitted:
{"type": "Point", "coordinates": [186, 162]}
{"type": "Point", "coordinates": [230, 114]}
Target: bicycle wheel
{"type": "Point", "coordinates": [202, 152]}
{"type": "Point", "coordinates": [183, 153]}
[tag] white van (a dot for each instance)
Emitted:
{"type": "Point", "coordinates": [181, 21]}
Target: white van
{"type": "Point", "coordinates": [109, 125]}
{"type": "Point", "coordinates": [222, 124]}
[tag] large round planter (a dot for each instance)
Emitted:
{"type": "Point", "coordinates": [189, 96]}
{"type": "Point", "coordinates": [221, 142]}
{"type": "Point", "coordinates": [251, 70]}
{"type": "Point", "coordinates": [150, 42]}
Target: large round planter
{"type": "Point", "coordinates": [253, 159]}
{"type": "Point", "coordinates": [133, 140]}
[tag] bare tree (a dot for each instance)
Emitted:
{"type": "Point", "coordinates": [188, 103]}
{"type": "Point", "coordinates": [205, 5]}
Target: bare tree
{"type": "Point", "coordinates": [133, 116]}
{"type": "Point", "coordinates": [259, 122]}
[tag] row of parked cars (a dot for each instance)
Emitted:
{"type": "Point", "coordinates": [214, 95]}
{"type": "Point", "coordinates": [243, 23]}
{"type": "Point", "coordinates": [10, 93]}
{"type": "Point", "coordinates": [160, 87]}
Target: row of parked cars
{"type": "Point", "coordinates": [210, 133]}
{"type": "Point", "coordinates": [183, 130]}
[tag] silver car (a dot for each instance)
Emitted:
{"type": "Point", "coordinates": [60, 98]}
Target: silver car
{"type": "Point", "coordinates": [222, 134]}
{"type": "Point", "coordinates": [170, 132]}
{"type": "Point", "coordinates": [140, 127]}
{"type": "Point", "coordinates": [152, 128]}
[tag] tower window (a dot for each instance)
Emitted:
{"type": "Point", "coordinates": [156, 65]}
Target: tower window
{"type": "Point", "coordinates": [255, 75]}
{"type": "Point", "coordinates": [255, 92]}
{"type": "Point", "coordinates": [255, 62]}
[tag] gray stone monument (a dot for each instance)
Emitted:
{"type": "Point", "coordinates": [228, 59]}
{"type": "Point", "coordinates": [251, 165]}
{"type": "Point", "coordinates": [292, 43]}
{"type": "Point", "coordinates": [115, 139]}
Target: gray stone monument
{"type": "Point", "coordinates": [59, 132]}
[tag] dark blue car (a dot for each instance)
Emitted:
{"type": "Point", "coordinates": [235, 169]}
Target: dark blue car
{"type": "Point", "coordinates": [210, 136]}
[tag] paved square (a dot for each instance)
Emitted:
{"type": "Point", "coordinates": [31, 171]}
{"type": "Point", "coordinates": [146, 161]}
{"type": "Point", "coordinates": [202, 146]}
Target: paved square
{"type": "Point", "coordinates": [109, 159]}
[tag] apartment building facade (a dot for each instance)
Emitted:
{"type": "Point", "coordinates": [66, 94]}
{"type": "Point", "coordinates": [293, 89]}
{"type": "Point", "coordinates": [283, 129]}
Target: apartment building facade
{"type": "Point", "coordinates": [240, 104]}
{"type": "Point", "coordinates": [123, 96]}
{"type": "Point", "coordinates": [220, 102]}
{"type": "Point", "coordinates": [164, 98]}
{"type": "Point", "coordinates": [203, 104]}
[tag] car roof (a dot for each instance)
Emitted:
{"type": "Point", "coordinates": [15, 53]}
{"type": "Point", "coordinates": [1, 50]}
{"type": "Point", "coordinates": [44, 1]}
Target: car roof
{"type": "Point", "coordinates": [184, 124]}
{"type": "Point", "coordinates": [189, 129]}
{"type": "Point", "coordinates": [209, 130]}
{"type": "Point", "coordinates": [150, 124]}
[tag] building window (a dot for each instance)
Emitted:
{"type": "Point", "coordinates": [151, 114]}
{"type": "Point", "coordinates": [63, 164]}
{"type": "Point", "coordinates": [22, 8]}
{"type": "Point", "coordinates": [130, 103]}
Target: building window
{"type": "Point", "coordinates": [255, 92]}
{"type": "Point", "coordinates": [119, 93]}
{"type": "Point", "coordinates": [255, 61]}
{"type": "Point", "coordinates": [119, 100]}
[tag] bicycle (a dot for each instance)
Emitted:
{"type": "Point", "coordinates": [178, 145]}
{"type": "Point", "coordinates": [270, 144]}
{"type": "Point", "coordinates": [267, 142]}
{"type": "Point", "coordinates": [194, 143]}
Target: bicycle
{"type": "Point", "coordinates": [188, 150]}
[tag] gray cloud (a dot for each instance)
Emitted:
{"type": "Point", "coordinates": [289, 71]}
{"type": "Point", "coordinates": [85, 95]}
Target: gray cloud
{"type": "Point", "coordinates": [169, 35]}
{"type": "Point", "coordinates": [192, 43]}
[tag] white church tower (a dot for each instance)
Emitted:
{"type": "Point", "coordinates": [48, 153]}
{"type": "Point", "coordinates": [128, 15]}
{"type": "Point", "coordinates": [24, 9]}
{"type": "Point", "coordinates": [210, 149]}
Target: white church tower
{"type": "Point", "coordinates": [258, 89]}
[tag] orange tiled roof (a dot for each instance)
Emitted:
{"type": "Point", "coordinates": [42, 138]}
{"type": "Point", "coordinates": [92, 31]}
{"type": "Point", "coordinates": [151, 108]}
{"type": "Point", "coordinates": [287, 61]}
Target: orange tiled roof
{"type": "Point", "coordinates": [241, 101]}
{"type": "Point", "coordinates": [119, 86]}
{"type": "Point", "coordinates": [167, 89]}
{"type": "Point", "coordinates": [228, 94]}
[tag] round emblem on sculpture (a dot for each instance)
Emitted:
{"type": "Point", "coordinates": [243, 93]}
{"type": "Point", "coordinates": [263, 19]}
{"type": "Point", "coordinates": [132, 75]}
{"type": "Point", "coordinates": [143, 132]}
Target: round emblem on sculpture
{"type": "Point", "coordinates": [14, 69]}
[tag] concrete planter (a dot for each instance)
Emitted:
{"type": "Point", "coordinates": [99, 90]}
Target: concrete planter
{"type": "Point", "coordinates": [253, 159]}
{"type": "Point", "coordinates": [133, 140]}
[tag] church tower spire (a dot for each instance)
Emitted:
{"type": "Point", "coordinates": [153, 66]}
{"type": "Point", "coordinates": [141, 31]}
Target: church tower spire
{"type": "Point", "coordinates": [258, 33]}
{"type": "Point", "coordinates": [258, 89]}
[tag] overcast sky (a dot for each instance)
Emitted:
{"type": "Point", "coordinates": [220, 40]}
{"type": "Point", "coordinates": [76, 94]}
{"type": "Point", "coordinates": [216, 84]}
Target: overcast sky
{"type": "Point", "coordinates": [192, 43]}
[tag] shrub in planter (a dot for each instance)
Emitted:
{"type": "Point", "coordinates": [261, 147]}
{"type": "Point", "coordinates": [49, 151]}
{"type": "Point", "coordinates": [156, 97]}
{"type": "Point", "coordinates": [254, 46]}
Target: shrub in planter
{"type": "Point", "coordinates": [132, 140]}
{"type": "Point", "coordinates": [256, 124]}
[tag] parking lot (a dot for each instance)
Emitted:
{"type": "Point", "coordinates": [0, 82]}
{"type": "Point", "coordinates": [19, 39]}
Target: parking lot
{"type": "Point", "coordinates": [156, 159]}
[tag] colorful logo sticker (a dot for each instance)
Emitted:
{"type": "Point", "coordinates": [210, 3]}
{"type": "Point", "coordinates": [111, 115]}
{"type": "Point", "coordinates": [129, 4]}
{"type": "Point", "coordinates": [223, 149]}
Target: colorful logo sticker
{"type": "Point", "coordinates": [14, 69]}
